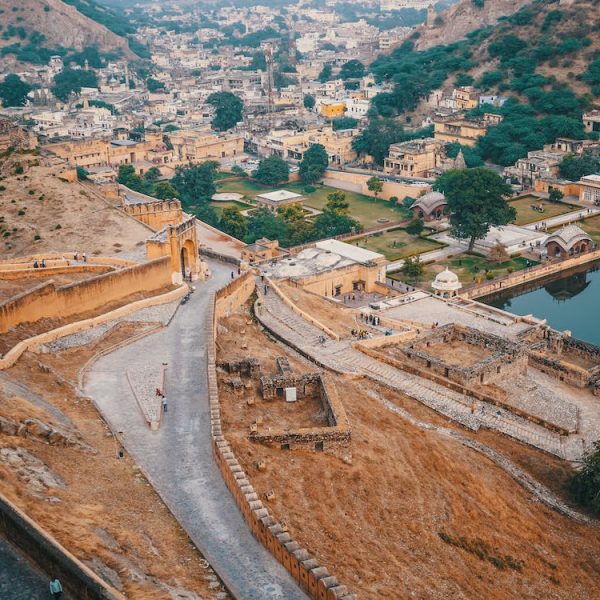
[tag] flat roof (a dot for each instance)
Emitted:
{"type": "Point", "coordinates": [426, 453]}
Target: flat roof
{"type": "Point", "coordinates": [354, 253]}
{"type": "Point", "coordinates": [279, 196]}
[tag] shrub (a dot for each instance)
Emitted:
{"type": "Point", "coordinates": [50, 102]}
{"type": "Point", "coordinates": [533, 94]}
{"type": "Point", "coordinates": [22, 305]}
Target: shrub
{"type": "Point", "coordinates": [19, 170]}
{"type": "Point", "coordinates": [309, 189]}
{"type": "Point", "coordinates": [37, 237]}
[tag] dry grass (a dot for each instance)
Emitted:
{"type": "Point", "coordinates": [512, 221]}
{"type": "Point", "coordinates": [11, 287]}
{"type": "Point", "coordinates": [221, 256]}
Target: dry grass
{"type": "Point", "coordinates": [108, 513]}
{"type": "Point", "coordinates": [376, 523]}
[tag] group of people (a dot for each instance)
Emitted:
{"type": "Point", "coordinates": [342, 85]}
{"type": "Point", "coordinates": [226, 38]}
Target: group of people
{"type": "Point", "coordinates": [361, 334]}
{"type": "Point", "coordinates": [160, 394]}
{"type": "Point", "coordinates": [39, 264]}
{"type": "Point", "coordinates": [370, 319]}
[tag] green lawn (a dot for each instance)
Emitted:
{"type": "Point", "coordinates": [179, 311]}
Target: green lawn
{"type": "Point", "coordinates": [591, 226]}
{"type": "Point", "coordinates": [221, 206]}
{"type": "Point", "coordinates": [363, 208]}
{"type": "Point", "coordinates": [470, 268]}
{"type": "Point", "coordinates": [396, 244]}
{"type": "Point", "coordinates": [526, 214]}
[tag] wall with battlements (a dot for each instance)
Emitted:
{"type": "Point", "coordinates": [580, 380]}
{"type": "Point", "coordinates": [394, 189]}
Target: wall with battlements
{"type": "Point", "coordinates": [156, 214]}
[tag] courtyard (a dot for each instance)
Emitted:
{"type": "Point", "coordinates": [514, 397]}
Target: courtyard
{"type": "Point", "coordinates": [370, 212]}
{"type": "Point", "coordinates": [397, 243]}
{"type": "Point", "coordinates": [470, 268]}
{"type": "Point", "coordinates": [526, 214]}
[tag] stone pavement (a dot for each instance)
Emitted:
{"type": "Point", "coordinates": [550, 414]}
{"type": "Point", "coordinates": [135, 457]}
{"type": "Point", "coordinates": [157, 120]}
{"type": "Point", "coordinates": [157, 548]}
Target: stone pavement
{"type": "Point", "coordinates": [178, 458]}
{"type": "Point", "coordinates": [463, 409]}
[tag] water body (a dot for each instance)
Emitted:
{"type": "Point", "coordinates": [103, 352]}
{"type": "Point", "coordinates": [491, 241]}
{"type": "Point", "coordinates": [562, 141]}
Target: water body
{"type": "Point", "coordinates": [569, 301]}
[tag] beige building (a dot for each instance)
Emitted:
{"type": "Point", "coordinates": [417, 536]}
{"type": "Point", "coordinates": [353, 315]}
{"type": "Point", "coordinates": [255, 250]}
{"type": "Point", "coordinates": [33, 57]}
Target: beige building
{"type": "Point", "coordinates": [262, 249]}
{"type": "Point", "coordinates": [278, 199]}
{"type": "Point", "coordinates": [466, 98]}
{"type": "Point", "coordinates": [332, 268]}
{"type": "Point", "coordinates": [415, 158]}
{"type": "Point", "coordinates": [591, 121]}
{"type": "Point", "coordinates": [464, 131]}
{"type": "Point", "coordinates": [589, 189]}
{"type": "Point", "coordinates": [198, 146]}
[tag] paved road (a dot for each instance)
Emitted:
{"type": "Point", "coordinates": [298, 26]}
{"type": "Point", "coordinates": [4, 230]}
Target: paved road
{"type": "Point", "coordinates": [178, 457]}
{"type": "Point", "coordinates": [19, 579]}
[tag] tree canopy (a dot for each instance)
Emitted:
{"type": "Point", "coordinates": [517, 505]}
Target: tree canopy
{"type": "Point", "coordinates": [228, 110]}
{"type": "Point", "coordinates": [272, 171]}
{"type": "Point", "coordinates": [13, 91]}
{"type": "Point", "coordinates": [476, 201]}
{"type": "Point", "coordinates": [574, 168]}
{"type": "Point", "coordinates": [314, 163]}
{"type": "Point", "coordinates": [585, 485]}
{"type": "Point", "coordinates": [72, 80]}
{"type": "Point", "coordinates": [195, 185]}
{"type": "Point", "coordinates": [353, 69]}
{"type": "Point", "coordinates": [309, 101]}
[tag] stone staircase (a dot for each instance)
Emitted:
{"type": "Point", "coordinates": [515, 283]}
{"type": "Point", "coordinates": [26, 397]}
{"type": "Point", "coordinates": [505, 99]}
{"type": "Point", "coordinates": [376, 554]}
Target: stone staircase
{"type": "Point", "coordinates": [472, 414]}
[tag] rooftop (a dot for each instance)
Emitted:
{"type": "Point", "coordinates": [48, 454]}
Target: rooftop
{"type": "Point", "coordinates": [279, 196]}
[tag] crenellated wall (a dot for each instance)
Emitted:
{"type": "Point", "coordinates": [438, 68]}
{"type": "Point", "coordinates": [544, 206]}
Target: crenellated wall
{"type": "Point", "coordinates": [48, 301]}
{"type": "Point", "coordinates": [157, 214]}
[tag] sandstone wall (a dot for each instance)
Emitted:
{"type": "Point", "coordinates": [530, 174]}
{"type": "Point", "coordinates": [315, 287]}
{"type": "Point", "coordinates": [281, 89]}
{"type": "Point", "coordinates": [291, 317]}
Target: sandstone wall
{"type": "Point", "coordinates": [49, 301]}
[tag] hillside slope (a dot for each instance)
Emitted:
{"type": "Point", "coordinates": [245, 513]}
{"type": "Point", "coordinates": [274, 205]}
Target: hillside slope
{"type": "Point", "coordinates": [61, 24]}
{"type": "Point", "coordinates": [464, 17]}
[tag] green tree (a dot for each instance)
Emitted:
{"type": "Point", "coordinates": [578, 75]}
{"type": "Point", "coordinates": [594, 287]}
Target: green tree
{"type": "Point", "coordinates": [376, 138]}
{"type": "Point", "coordinates": [344, 123]}
{"type": "Point", "coordinates": [71, 80]}
{"type": "Point", "coordinates": [195, 184]}
{"type": "Point", "coordinates": [555, 195]}
{"type": "Point", "coordinates": [164, 190]}
{"type": "Point", "coordinates": [412, 269]}
{"type": "Point", "coordinates": [325, 74]}
{"type": "Point", "coordinates": [152, 174]}
{"type": "Point", "coordinates": [154, 85]}
{"type": "Point", "coordinates": [234, 222]}
{"type": "Point", "coordinates": [415, 227]}
{"type": "Point", "coordinates": [574, 168]}
{"type": "Point", "coordinates": [299, 230]}
{"type": "Point", "coordinates": [128, 177]}
{"type": "Point", "coordinates": [314, 163]}
{"type": "Point", "coordinates": [228, 110]}
{"type": "Point", "coordinates": [263, 223]}
{"type": "Point", "coordinates": [375, 185]}
{"type": "Point", "coordinates": [13, 91]}
{"type": "Point", "coordinates": [335, 220]}
{"type": "Point", "coordinates": [476, 201]}
{"type": "Point", "coordinates": [309, 101]}
{"type": "Point", "coordinates": [585, 484]}
{"type": "Point", "coordinates": [82, 174]}
{"type": "Point", "coordinates": [353, 69]}
{"type": "Point", "coordinates": [272, 171]}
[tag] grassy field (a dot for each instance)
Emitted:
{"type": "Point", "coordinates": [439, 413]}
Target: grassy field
{"type": "Point", "coordinates": [396, 244]}
{"type": "Point", "coordinates": [526, 214]}
{"type": "Point", "coordinates": [221, 206]}
{"type": "Point", "coordinates": [363, 208]}
{"type": "Point", "coordinates": [592, 227]}
{"type": "Point", "coordinates": [470, 268]}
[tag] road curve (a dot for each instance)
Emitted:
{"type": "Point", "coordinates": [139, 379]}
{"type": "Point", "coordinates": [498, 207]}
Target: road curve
{"type": "Point", "coordinates": [178, 458]}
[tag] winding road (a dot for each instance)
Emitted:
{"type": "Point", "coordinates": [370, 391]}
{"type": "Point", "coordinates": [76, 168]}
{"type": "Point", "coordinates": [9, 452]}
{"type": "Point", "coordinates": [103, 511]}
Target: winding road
{"type": "Point", "coordinates": [178, 458]}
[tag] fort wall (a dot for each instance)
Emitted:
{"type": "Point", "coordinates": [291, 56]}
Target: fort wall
{"type": "Point", "coordinates": [306, 570]}
{"type": "Point", "coordinates": [47, 301]}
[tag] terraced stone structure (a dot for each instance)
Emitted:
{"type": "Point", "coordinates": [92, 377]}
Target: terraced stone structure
{"type": "Point", "coordinates": [568, 359]}
{"type": "Point", "coordinates": [464, 355]}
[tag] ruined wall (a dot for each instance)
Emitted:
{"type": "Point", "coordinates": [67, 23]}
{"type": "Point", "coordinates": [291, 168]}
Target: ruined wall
{"type": "Point", "coordinates": [49, 301]}
{"type": "Point", "coordinates": [306, 570]}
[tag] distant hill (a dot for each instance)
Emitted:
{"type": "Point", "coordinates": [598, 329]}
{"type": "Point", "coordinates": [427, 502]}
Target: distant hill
{"type": "Point", "coordinates": [460, 19]}
{"type": "Point", "coordinates": [31, 29]}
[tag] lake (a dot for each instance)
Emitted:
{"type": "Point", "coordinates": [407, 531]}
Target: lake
{"type": "Point", "coordinates": [570, 302]}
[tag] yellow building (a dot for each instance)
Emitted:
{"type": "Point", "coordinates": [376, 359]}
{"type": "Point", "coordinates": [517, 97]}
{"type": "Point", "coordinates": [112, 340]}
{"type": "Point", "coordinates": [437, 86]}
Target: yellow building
{"type": "Point", "coordinates": [198, 146]}
{"type": "Point", "coordinates": [589, 189]}
{"type": "Point", "coordinates": [460, 130]}
{"type": "Point", "coordinates": [332, 109]}
{"type": "Point", "coordinates": [415, 158]}
{"type": "Point", "coordinates": [466, 98]}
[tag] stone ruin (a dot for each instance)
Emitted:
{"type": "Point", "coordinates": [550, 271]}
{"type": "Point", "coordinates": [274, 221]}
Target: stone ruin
{"type": "Point", "coordinates": [495, 358]}
{"type": "Point", "coordinates": [334, 437]}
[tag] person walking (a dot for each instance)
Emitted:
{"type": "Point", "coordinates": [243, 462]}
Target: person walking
{"type": "Point", "coordinates": [56, 588]}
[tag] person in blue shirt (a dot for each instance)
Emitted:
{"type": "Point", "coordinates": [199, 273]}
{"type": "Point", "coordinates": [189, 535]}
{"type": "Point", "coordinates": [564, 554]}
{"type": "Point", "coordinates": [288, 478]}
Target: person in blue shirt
{"type": "Point", "coordinates": [56, 588]}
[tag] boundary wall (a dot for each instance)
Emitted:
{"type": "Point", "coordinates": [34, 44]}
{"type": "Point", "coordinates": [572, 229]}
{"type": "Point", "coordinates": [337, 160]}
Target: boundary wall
{"type": "Point", "coordinates": [11, 357]}
{"type": "Point", "coordinates": [78, 580]}
{"type": "Point", "coordinates": [49, 301]}
{"type": "Point", "coordinates": [306, 570]}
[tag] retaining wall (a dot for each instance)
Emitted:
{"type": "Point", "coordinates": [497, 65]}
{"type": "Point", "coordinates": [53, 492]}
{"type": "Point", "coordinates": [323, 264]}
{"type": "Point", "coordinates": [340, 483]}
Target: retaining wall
{"type": "Point", "coordinates": [8, 274]}
{"type": "Point", "coordinates": [78, 580]}
{"type": "Point", "coordinates": [49, 301]}
{"type": "Point", "coordinates": [306, 570]}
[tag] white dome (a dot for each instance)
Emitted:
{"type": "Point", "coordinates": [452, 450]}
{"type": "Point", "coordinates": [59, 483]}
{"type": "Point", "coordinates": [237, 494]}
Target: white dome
{"type": "Point", "coordinates": [446, 281]}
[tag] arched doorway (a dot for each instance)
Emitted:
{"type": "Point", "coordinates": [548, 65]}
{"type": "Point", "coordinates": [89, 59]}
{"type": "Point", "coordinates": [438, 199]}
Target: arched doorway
{"type": "Point", "coordinates": [185, 263]}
